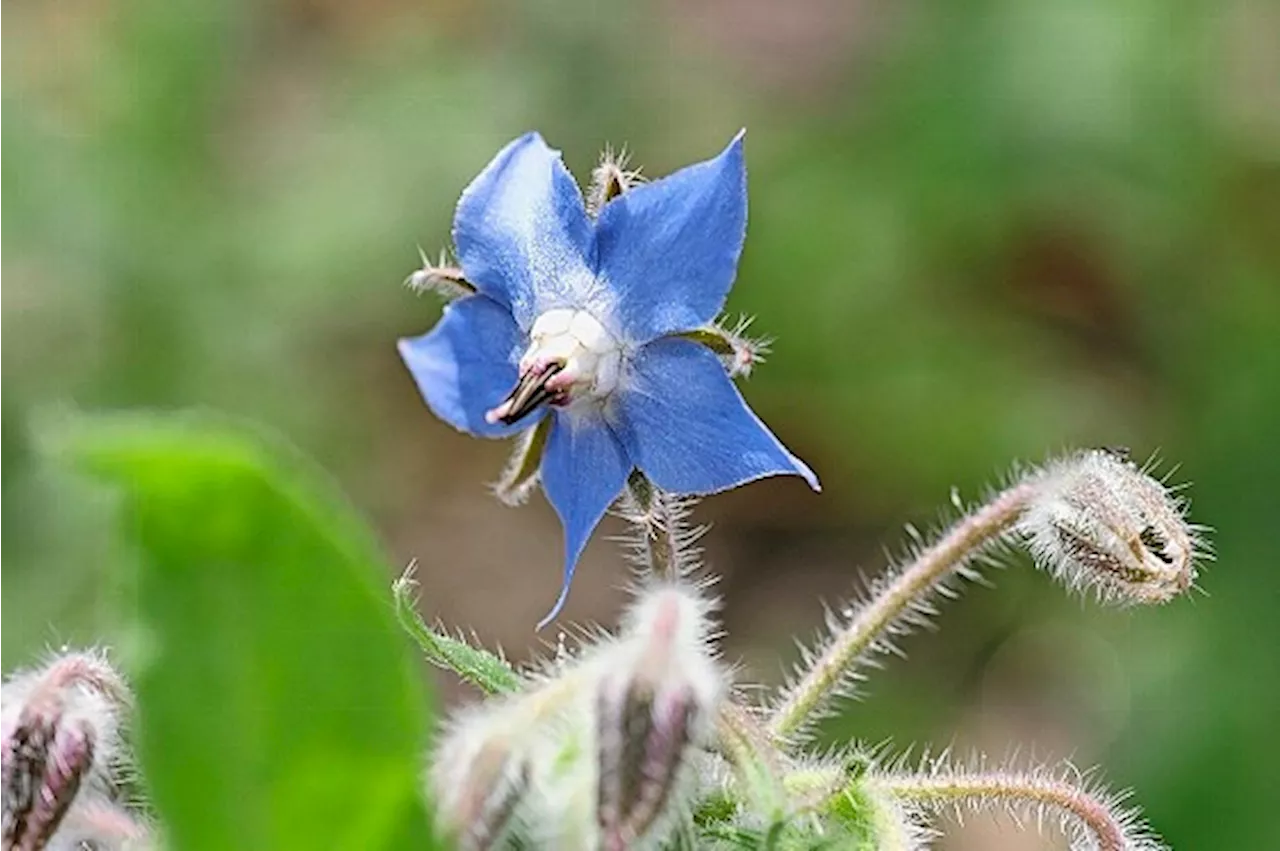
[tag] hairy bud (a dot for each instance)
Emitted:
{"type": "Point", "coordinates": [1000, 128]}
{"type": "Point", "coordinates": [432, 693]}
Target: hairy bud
{"type": "Point", "coordinates": [480, 775]}
{"type": "Point", "coordinates": [60, 746]}
{"type": "Point", "coordinates": [1097, 521]}
{"type": "Point", "coordinates": [656, 700]}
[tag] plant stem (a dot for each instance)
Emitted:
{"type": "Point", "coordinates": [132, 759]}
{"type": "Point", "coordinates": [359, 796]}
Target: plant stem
{"type": "Point", "coordinates": [941, 790]}
{"type": "Point", "coordinates": [659, 525]}
{"type": "Point", "coordinates": [908, 586]}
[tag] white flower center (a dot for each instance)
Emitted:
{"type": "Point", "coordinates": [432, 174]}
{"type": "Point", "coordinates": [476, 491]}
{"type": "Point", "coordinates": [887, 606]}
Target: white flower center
{"type": "Point", "coordinates": [591, 357]}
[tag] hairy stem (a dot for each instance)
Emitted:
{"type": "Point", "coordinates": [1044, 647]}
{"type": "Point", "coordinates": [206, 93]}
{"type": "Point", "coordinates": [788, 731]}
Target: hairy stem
{"type": "Point", "coordinates": [740, 737]}
{"type": "Point", "coordinates": [963, 540]}
{"type": "Point", "coordinates": [660, 527]}
{"type": "Point", "coordinates": [484, 670]}
{"type": "Point", "coordinates": [938, 791]}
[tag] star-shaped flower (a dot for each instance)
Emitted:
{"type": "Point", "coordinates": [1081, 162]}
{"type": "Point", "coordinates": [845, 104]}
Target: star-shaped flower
{"type": "Point", "coordinates": [593, 331]}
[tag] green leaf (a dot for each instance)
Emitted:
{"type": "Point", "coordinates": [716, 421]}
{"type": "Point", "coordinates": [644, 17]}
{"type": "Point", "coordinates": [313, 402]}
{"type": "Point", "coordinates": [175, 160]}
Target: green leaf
{"type": "Point", "coordinates": [280, 706]}
{"type": "Point", "coordinates": [484, 670]}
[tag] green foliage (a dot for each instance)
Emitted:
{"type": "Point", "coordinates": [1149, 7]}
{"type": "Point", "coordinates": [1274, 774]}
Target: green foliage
{"type": "Point", "coordinates": [280, 707]}
{"type": "Point", "coordinates": [484, 670]}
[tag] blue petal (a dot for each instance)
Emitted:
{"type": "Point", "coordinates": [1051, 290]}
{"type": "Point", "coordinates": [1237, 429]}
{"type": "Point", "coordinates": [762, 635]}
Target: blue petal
{"type": "Point", "coordinates": [467, 364]}
{"type": "Point", "coordinates": [583, 470]}
{"type": "Point", "coordinates": [685, 425]}
{"type": "Point", "coordinates": [669, 249]}
{"type": "Point", "coordinates": [522, 235]}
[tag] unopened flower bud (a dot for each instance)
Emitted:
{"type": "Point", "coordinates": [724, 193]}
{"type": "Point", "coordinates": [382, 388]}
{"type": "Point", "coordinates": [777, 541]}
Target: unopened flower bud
{"type": "Point", "coordinates": [60, 741]}
{"type": "Point", "coordinates": [655, 703]}
{"type": "Point", "coordinates": [480, 774]}
{"type": "Point", "coordinates": [1099, 522]}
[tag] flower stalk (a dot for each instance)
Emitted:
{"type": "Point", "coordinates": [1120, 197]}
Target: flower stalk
{"type": "Point", "coordinates": [894, 600]}
{"type": "Point", "coordinates": [1091, 819]}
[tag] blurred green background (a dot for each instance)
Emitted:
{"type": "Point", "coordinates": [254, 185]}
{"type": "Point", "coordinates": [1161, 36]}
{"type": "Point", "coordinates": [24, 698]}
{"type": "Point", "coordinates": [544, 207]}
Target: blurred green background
{"type": "Point", "coordinates": [980, 232]}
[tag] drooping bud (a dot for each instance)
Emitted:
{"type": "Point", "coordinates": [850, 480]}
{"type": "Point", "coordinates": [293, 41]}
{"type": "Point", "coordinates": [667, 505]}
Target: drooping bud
{"type": "Point", "coordinates": [656, 701]}
{"type": "Point", "coordinates": [60, 744]}
{"type": "Point", "coordinates": [1097, 521]}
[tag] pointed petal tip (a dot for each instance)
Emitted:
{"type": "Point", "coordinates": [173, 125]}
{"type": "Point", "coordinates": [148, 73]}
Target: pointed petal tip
{"type": "Point", "coordinates": [584, 468]}
{"type": "Point", "coordinates": [533, 137]}
{"type": "Point", "coordinates": [806, 472]}
{"type": "Point", "coordinates": [404, 346]}
{"type": "Point", "coordinates": [555, 609]}
{"type": "Point", "coordinates": [529, 137]}
{"type": "Point", "coordinates": [735, 147]}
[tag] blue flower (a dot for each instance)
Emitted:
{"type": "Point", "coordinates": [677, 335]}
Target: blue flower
{"type": "Point", "coordinates": [589, 322]}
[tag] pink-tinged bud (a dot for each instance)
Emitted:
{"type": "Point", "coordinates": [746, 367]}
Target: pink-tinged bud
{"type": "Point", "coordinates": [657, 698]}
{"type": "Point", "coordinates": [102, 826]}
{"type": "Point", "coordinates": [60, 740]}
{"type": "Point", "coordinates": [46, 768]}
{"type": "Point", "coordinates": [479, 777]}
{"type": "Point", "coordinates": [1099, 522]}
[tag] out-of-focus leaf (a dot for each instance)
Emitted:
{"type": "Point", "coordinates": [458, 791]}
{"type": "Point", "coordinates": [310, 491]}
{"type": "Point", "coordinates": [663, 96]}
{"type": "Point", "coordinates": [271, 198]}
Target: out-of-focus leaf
{"type": "Point", "coordinates": [280, 707]}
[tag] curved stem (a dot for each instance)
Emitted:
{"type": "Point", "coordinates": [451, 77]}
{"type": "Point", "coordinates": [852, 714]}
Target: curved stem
{"type": "Point", "coordinates": [907, 587]}
{"type": "Point", "coordinates": [1107, 827]}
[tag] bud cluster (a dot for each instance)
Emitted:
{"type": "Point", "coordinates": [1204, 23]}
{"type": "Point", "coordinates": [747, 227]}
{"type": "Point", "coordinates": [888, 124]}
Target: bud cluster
{"type": "Point", "coordinates": [600, 751]}
{"type": "Point", "coordinates": [62, 755]}
{"type": "Point", "coordinates": [636, 742]}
